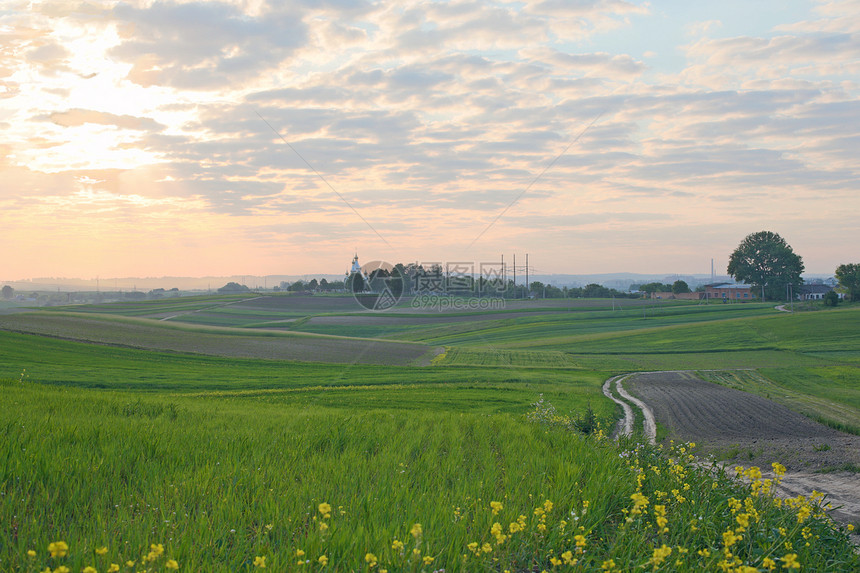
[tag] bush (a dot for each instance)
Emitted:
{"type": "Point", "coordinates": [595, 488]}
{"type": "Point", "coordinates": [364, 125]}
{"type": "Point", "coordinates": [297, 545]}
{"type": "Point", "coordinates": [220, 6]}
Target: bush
{"type": "Point", "coordinates": [831, 298]}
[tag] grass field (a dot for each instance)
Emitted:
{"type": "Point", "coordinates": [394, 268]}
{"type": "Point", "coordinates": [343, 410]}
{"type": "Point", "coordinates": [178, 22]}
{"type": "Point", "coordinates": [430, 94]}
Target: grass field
{"type": "Point", "coordinates": [117, 435]}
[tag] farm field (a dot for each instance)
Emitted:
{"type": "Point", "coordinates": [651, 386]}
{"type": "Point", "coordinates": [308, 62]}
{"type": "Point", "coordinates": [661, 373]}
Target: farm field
{"type": "Point", "coordinates": [126, 430]}
{"type": "Point", "coordinates": [149, 334]}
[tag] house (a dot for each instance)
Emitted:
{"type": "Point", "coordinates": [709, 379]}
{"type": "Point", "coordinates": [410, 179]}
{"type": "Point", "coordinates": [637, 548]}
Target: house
{"type": "Point", "coordinates": [814, 291]}
{"type": "Point", "coordinates": [729, 291]}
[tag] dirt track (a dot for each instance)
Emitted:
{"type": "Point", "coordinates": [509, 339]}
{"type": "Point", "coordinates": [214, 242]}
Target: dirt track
{"type": "Point", "coordinates": [750, 430]}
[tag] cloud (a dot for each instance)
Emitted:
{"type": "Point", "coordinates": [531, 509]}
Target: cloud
{"type": "Point", "coordinates": [75, 117]}
{"type": "Point", "coordinates": [200, 46]}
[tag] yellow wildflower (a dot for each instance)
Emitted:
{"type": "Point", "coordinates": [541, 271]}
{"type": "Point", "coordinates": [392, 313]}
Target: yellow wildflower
{"type": "Point", "coordinates": [62, 569]}
{"type": "Point", "coordinates": [31, 553]}
{"type": "Point", "coordinates": [416, 530]}
{"type": "Point", "coordinates": [101, 550]}
{"type": "Point", "coordinates": [260, 561]}
{"type": "Point", "coordinates": [496, 507]}
{"type": "Point", "coordinates": [300, 553]}
{"type": "Point", "coordinates": [113, 568]}
{"type": "Point", "coordinates": [660, 555]}
{"type": "Point", "coordinates": [850, 527]}
{"type": "Point", "coordinates": [323, 527]}
{"type": "Point", "coordinates": [58, 548]}
{"type": "Point", "coordinates": [547, 506]}
{"type": "Point", "coordinates": [129, 563]}
{"type": "Point", "coordinates": [89, 569]}
{"type": "Point", "coordinates": [608, 565]}
{"type": "Point", "coordinates": [486, 548]}
{"type": "Point", "coordinates": [324, 509]}
{"type": "Point", "coordinates": [323, 560]}
{"type": "Point", "coordinates": [580, 540]}
{"type": "Point", "coordinates": [790, 561]}
{"type": "Point", "coordinates": [778, 469]}
{"type": "Point", "coordinates": [768, 563]}
{"type": "Point", "coordinates": [370, 558]}
{"type": "Point", "coordinates": [172, 564]}
{"type": "Point", "coordinates": [639, 502]}
{"type": "Point", "coordinates": [660, 513]}
{"type": "Point", "coordinates": [397, 545]}
{"type": "Point", "coordinates": [428, 560]}
{"type": "Point", "coordinates": [567, 556]}
{"type": "Point", "coordinates": [729, 538]}
{"type": "Point", "coordinates": [157, 548]}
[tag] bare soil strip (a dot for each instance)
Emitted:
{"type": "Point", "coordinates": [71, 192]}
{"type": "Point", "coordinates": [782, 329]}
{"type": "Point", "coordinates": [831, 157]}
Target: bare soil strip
{"type": "Point", "coordinates": [749, 430]}
{"type": "Point", "coordinates": [649, 424]}
{"type": "Point", "coordinates": [625, 424]}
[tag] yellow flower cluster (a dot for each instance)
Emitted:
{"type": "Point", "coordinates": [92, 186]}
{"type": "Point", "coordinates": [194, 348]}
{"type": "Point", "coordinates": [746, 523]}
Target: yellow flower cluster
{"type": "Point", "coordinates": [60, 549]}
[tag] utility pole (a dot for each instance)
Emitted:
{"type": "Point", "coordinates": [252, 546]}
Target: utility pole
{"type": "Point", "coordinates": [515, 276]}
{"type": "Point", "coordinates": [528, 288]}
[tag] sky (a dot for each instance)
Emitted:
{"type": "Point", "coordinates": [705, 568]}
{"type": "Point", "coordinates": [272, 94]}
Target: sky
{"type": "Point", "coordinates": [177, 138]}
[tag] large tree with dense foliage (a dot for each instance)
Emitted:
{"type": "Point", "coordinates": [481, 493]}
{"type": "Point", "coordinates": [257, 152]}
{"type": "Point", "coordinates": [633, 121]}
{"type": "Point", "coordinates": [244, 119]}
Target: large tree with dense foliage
{"type": "Point", "coordinates": [849, 279]}
{"type": "Point", "coordinates": [767, 262]}
{"type": "Point", "coordinates": [8, 291]}
{"type": "Point", "coordinates": [680, 287]}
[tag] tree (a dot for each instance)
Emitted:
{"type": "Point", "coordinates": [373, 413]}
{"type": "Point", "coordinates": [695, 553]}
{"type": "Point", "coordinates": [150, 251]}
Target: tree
{"type": "Point", "coordinates": [8, 291]}
{"type": "Point", "coordinates": [355, 283]}
{"type": "Point", "coordinates": [655, 287]}
{"type": "Point", "coordinates": [831, 298]}
{"type": "Point", "coordinates": [847, 275]}
{"type": "Point", "coordinates": [767, 262]}
{"type": "Point", "coordinates": [680, 286]}
{"type": "Point", "coordinates": [232, 287]}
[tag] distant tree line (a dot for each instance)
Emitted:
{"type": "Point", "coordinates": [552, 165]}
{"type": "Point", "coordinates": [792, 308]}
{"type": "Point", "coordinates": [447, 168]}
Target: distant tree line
{"type": "Point", "coordinates": [678, 287]}
{"type": "Point", "coordinates": [312, 285]}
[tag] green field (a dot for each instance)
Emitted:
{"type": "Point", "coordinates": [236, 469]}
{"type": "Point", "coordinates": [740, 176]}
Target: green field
{"type": "Point", "coordinates": [218, 436]}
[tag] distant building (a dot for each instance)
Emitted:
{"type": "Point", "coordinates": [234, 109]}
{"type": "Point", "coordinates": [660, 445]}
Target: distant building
{"type": "Point", "coordinates": [814, 291]}
{"type": "Point", "coordinates": [729, 291]}
{"type": "Point", "coordinates": [356, 268]}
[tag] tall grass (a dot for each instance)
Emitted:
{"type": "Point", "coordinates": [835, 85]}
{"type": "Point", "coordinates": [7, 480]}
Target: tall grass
{"type": "Point", "coordinates": [223, 482]}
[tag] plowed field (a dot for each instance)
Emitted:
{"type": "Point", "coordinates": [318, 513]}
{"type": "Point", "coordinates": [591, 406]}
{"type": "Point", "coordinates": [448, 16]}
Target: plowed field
{"type": "Point", "coordinates": [752, 430]}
